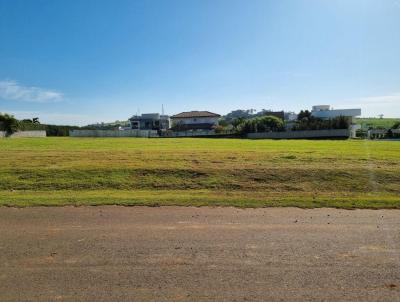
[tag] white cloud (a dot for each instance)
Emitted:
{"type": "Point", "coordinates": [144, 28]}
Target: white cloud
{"type": "Point", "coordinates": [372, 106]}
{"type": "Point", "coordinates": [12, 90]}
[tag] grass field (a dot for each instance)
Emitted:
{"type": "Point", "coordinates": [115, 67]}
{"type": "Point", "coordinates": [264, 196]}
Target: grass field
{"type": "Point", "coordinates": [244, 173]}
{"type": "Point", "coordinates": [385, 123]}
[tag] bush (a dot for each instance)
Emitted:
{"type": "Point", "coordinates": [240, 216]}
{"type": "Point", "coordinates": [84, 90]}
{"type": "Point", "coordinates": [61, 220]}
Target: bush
{"type": "Point", "coordinates": [8, 123]}
{"type": "Point", "coordinates": [223, 123]}
{"type": "Point", "coordinates": [56, 130]}
{"type": "Point", "coordinates": [261, 124]}
{"type": "Point", "coordinates": [29, 126]}
{"type": "Point", "coordinates": [308, 122]}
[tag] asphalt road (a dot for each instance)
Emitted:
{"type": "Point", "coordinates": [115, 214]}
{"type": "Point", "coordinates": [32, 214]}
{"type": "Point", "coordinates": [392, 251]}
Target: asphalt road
{"type": "Point", "coordinates": [198, 254]}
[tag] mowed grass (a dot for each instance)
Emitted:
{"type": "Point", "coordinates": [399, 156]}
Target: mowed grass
{"type": "Point", "coordinates": [216, 172]}
{"type": "Point", "coordinates": [377, 122]}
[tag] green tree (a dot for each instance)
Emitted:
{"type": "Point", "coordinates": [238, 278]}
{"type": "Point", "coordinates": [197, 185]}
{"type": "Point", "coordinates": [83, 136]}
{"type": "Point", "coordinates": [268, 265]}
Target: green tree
{"type": "Point", "coordinates": [304, 114]}
{"type": "Point", "coordinates": [222, 122]}
{"type": "Point", "coordinates": [309, 122]}
{"type": "Point", "coordinates": [8, 123]}
{"type": "Point", "coordinates": [261, 124]}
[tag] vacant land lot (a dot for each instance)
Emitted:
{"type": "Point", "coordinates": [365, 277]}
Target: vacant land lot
{"type": "Point", "coordinates": [132, 171]}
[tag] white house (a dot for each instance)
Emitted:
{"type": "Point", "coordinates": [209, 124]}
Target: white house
{"type": "Point", "coordinates": [325, 112]}
{"type": "Point", "coordinates": [195, 120]}
{"type": "Point", "coordinates": [150, 121]}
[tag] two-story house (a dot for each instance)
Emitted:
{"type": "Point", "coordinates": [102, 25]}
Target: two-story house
{"type": "Point", "coordinates": [194, 120]}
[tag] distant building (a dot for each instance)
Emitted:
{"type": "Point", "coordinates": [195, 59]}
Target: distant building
{"type": "Point", "coordinates": [150, 121]}
{"type": "Point", "coordinates": [290, 120]}
{"type": "Point", "coordinates": [290, 116]}
{"type": "Point", "coordinates": [325, 112]}
{"type": "Point", "coordinates": [194, 120]}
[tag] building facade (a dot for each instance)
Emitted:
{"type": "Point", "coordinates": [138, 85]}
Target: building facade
{"type": "Point", "coordinates": [150, 121]}
{"type": "Point", "coordinates": [194, 120]}
{"type": "Point", "coordinates": [326, 112]}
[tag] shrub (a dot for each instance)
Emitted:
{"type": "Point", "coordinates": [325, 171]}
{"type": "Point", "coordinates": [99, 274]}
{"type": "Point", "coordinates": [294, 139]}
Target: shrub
{"type": "Point", "coordinates": [308, 122]}
{"type": "Point", "coordinates": [261, 124]}
{"type": "Point", "coordinates": [8, 123]}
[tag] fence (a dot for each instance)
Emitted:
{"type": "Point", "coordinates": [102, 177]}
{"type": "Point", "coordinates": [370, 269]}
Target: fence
{"type": "Point", "coordinates": [333, 133]}
{"type": "Point", "coordinates": [113, 133]}
{"type": "Point", "coordinates": [33, 133]}
{"type": "Point", "coordinates": [196, 133]}
{"type": "Point", "coordinates": [145, 133]}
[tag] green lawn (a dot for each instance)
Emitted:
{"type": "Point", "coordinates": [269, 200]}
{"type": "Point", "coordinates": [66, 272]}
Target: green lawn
{"type": "Point", "coordinates": [371, 122]}
{"type": "Point", "coordinates": [244, 173]}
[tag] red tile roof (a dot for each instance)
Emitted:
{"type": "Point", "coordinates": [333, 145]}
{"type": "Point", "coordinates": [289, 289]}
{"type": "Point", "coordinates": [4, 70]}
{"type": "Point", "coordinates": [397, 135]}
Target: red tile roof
{"type": "Point", "coordinates": [191, 114]}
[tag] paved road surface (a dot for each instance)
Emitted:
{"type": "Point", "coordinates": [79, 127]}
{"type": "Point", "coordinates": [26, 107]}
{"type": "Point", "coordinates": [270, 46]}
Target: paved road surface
{"type": "Point", "coordinates": [198, 254]}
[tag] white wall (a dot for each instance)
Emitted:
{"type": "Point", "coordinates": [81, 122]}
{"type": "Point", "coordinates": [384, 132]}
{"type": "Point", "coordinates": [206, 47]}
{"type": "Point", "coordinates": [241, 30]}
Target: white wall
{"type": "Point", "coordinates": [113, 133]}
{"type": "Point", "coordinates": [33, 133]}
{"type": "Point", "coordinates": [332, 133]}
{"type": "Point", "coordinates": [336, 113]}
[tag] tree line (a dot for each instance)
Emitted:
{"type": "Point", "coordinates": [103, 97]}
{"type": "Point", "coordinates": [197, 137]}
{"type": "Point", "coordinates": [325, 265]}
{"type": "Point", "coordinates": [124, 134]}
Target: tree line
{"type": "Point", "coordinates": [249, 121]}
{"type": "Point", "coordinates": [10, 124]}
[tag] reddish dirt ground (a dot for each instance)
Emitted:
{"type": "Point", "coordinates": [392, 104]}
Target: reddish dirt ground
{"type": "Point", "coordinates": [198, 254]}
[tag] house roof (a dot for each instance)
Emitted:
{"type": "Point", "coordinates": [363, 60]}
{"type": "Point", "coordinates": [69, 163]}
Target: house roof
{"type": "Point", "coordinates": [191, 114]}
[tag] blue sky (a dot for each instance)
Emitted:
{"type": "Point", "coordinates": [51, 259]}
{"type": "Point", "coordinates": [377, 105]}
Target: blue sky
{"type": "Point", "coordinates": [78, 62]}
